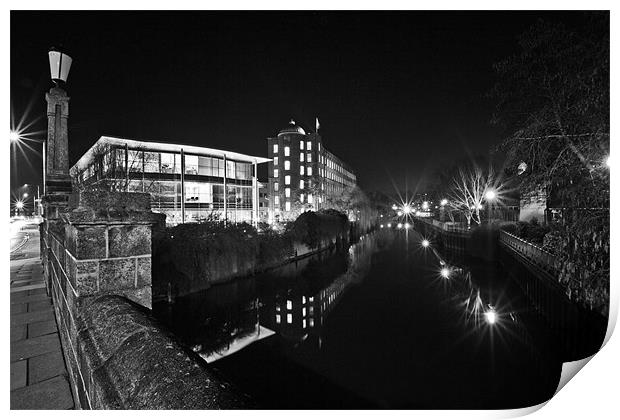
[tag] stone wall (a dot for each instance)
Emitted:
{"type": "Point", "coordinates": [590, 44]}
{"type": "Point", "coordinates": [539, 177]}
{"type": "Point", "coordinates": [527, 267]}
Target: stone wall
{"type": "Point", "coordinates": [98, 247]}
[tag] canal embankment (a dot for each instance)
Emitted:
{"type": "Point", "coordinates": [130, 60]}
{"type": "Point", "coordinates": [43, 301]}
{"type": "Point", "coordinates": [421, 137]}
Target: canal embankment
{"type": "Point", "coordinates": [191, 258]}
{"type": "Point", "coordinates": [579, 327]}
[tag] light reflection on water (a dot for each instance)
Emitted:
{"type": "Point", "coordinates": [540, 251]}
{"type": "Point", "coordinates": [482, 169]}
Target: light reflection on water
{"type": "Point", "coordinates": [376, 308]}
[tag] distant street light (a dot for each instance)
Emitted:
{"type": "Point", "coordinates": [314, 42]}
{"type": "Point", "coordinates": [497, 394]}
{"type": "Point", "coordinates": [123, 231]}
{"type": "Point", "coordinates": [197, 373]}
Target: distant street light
{"type": "Point", "coordinates": [490, 196]}
{"type": "Point", "coordinates": [407, 226]}
{"type": "Point", "coordinates": [399, 226]}
{"type": "Point", "coordinates": [425, 205]}
{"type": "Point", "coordinates": [491, 316]}
{"type": "Point", "coordinates": [19, 204]}
{"type": "Point", "coordinates": [445, 272]}
{"type": "Point", "coordinates": [407, 209]}
{"type": "Point", "coordinates": [425, 243]}
{"type": "Point", "coordinates": [444, 202]}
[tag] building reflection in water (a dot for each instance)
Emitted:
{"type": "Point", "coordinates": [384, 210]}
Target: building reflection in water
{"type": "Point", "coordinates": [293, 301]}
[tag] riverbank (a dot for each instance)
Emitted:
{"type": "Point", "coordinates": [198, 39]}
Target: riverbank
{"type": "Point", "coordinates": [189, 258]}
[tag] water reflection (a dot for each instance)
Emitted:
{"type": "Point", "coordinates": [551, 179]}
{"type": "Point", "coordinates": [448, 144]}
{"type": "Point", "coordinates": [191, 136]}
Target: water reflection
{"type": "Point", "coordinates": [293, 301]}
{"type": "Point", "coordinates": [373, 325]}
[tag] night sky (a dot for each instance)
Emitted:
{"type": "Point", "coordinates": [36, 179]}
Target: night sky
{"type": "Point", "coordinates": [397, 94]}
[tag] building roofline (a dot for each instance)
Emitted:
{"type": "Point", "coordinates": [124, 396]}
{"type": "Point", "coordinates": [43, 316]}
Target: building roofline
{"type": "Point", "coordinates": [161, 147]}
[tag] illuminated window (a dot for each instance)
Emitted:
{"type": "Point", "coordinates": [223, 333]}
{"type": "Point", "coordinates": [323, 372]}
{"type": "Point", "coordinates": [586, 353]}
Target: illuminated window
{"type": "Point", "coordinates": [319, 145]}
{"type": "Point", "coordinates": [287, 180]}
{"type": "Point", "coordinates": [310, 199]}
{"type": "Point", "coordinates": [309, 170]}
{"type": "Point", "coordinates": [289, 304]}
{"type": "Point", "coordinates": [275, 161]}
{"type": "Point", "coordinates": [275, 173]}
{"type": "Point", "coordinates": [309, 158]}
{"type": "Point", "coordinates": [301, 144]}
{"type": "Point", "coordinates": [301, 157]}
{"type": "Point", "coordinates": [301, 184]}
{"type": "Point", "coordinates": [289, 318]}
{"type": "Point", "coordinates": [303, 323]}
{"type": "Point", "coordinates": [278, 318]}
{"type": "Point", "coordinates": [303, 311]}
{"type": "Point", "coordinates": [275, 149]}
{"type": "Point", "coordinates": [311, 299]}
{"type": "Point", "coordinates": [311, 322]}
{"type": "Point", "coordinates": [303, 300]}
{"type": "Point", "coordinates": [287, 165]}
{"type": "Point", "coordinates": [287, 192]}
{"type": "Point", "coordinates": [287, 206]}
{"type": "Point", "coordinates": [276, 186]}
{"type": "Point", "coordinates": [301, 170]}
{"type": "Point", "coordinates": [301, 198]}
{"type": "Point", "coordinates": [309, 145]}
{"type": "Point", "coordinates": [287, 151]}
{"type": "Point", "coordinates": [276, 200]}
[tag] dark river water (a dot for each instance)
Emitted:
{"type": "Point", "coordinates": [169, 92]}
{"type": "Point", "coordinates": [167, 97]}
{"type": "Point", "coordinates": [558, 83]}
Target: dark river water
{"type": "Point", "coordinates": [374, 326]}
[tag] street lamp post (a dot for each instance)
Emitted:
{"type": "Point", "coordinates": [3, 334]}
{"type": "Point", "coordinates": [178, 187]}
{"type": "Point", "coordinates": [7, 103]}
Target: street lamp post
{"type": "Point", "coordinates": [57, 181]}
{"type": "Point", "coordinates": [490, 196]}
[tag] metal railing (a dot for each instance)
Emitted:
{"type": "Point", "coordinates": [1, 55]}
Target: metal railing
{"type": "Point", "coordinates": [532, 253]}
{"type": "Point", "coordinates": [445, 226]}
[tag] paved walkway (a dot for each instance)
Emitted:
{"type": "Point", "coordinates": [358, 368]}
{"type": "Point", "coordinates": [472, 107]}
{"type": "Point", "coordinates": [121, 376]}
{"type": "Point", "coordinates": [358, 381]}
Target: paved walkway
{"type": "Point", "coordinates": [39, 377]}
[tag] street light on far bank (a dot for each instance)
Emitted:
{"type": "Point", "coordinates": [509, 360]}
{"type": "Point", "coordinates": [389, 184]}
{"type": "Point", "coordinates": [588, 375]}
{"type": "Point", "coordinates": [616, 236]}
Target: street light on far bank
{"type": "Point", "coordinates": [490, 195]}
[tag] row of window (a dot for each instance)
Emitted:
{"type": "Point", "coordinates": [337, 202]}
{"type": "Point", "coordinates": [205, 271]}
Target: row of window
{"type": "Point", "coordinates": [170, 163]}
{"type": "Point", "coordinates": [303, 170]}
{"type": "Point", "coordinates": [287, 149]}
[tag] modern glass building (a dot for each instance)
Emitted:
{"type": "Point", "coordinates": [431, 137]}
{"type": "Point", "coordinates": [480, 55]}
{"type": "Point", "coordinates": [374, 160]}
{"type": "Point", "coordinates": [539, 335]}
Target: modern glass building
{"type": "Point", "coordinates": [186, 183]}
{"type": "Point", "coordinates": [303, 174]}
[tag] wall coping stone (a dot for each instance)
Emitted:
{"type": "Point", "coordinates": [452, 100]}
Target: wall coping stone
{"type": "Point", "coordinates": [137, 364]}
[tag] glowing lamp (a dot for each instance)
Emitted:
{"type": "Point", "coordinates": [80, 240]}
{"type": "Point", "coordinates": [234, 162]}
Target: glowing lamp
{"type": "Point", "coordinates": [60, 64]}
{"type": "Point", "coordinates": [444, 202]}
{"type": "Point", "coordinates": [14, 136]}
{"type": "Point", "coordinates": [389, 225]}
{"type": "Point", "coordinates": [490, 195]}
{"type": "Point", "coordinates": [445, 273]}
{"type": "Point", "coordinates": [400, 213]}
{"type": "Point", "coordinates": [407, 225]}
{"type": "Point", "coordinates": [490, 316]}
{"type": "Point", "coordinates": [406, 209]}
{"type": "Point", "coordinates": [399, 226]}
{"type": "Point", "coordinates": [425, 205]}
{"type": "Point", "coordinates": [381, 226]}
{"type": "Point", "coordinates": [19, 204]}
{"type": "Point", "coordinates": [425, 243]}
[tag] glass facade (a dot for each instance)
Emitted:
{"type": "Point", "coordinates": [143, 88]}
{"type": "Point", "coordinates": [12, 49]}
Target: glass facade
{"type": "Point", "coordinates": [199, 193]}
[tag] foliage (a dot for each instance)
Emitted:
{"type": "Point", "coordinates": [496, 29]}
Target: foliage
{"type": "Point", "coordinates": [553, 101]}
{"type": "Point", "coordinates": [190, 257]}
{"type": "Point", "coordinates": [583, 259]}
{"type": "Point", "coordinates": [312, 228]}
{"type": "Point", "coordinates": [532, 232]}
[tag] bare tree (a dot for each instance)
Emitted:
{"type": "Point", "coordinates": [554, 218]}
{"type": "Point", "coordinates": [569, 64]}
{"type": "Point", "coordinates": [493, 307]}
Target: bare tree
{"type": "Point", "coordinates": [466, 191]}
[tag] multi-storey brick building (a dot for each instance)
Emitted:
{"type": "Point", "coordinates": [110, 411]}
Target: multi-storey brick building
{"type": "Point", "coordinates": [303, 174]}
